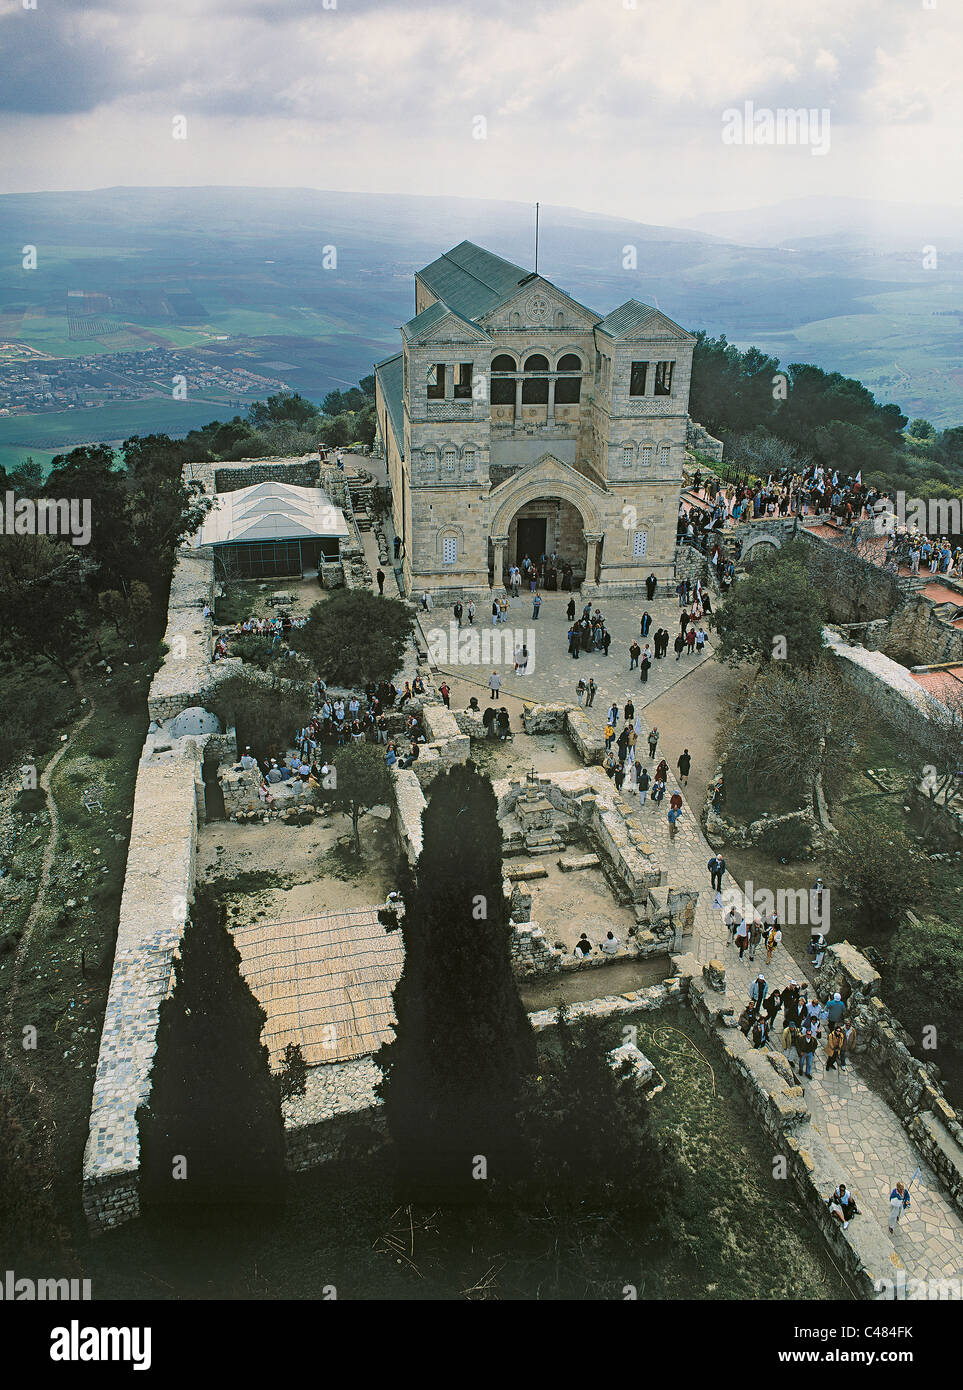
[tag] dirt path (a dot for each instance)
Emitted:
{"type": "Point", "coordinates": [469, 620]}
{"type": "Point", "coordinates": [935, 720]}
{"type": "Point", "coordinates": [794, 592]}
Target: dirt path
{"type": "Point", "coordinates": [14, 1056]}
{"type": "Point", "coordinates": [687, 716]}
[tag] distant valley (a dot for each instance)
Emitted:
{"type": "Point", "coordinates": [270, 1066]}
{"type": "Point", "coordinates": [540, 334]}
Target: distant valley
{"type": "Point", "coordinates": [159, 309]}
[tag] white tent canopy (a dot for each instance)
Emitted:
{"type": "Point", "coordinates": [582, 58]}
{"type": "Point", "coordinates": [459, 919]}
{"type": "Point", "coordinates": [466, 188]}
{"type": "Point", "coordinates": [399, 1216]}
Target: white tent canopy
{"type": "Point", "coordinates": [272, 512]}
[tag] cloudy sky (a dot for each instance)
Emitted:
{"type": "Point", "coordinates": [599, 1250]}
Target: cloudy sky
{"type": "Point", "coordinates": [612, 105]}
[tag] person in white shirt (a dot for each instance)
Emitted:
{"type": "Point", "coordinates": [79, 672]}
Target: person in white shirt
{"type": "Point", "coordinates": [247, 762]}
{"type": "Point", "coordinates": [610, 946]}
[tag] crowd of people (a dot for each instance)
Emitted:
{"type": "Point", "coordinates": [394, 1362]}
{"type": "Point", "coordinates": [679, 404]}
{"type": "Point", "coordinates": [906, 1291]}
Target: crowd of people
{"type": "Point", "coordinates": [813, 491]}
{"type": "Point", "coordinates": [277, 628]}
{"type": "Point", "coordinates": [543, 572]}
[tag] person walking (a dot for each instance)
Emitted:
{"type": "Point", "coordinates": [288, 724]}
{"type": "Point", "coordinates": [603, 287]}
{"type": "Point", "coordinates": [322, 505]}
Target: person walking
{"type": "Point", "coordinates": [644, 665]}
{"type": "Point", "coordinates": [834, 1047]}
{"type": "Point", "coordinates": [380, 576]}
{"type": "Point", "coordinates": [470, 612]}
{"type": "Point", "coordinates": [651, 584]}
{"type": "Point", "coordinates": [674, 816]}
{"type": "Point", "coordinates": [574, 642]}
{"type": "Point", "coordinates": [613, 713]}
{"type": "Point", "coordinates": [570, 610]}
{"type": "Point", "coordinates": [458, 610]}
{"type": "Point", "coordinates": [732, 920]}
{"type": "Point", "coordinates": [742, 937]}
{"type": "Point", "coordinates": [609, 737]}
{"type": "Point", "coordinates": [849, 1038]}
{"type": "Point", "coordinates": [580, 690]}
{"type": "Point", "coordinates": [755, 936]}
{"type": "Point", "coordinates": [807, 1050]}
{"type": "Point", "coordinates": [635, 651]}
{"type": "Point", "coordinates": [772, 1005]}
{"type": "Point", "coordinates": [773, 938]}
{"type": "Point", "coordinates": [590, 690]}
{"type": "Point", "coordinates": [790, 1044]}
{"type": "Point", "coordinates": [684, 765]}
{"type": "Point", "coordinates": [899, 1200]}
{"type": "Point", "coordinates": [644, 624]}
{"type": "Point", "coordinates": [758, 991]}
{"type": "Point", "coordinates": [678, 646]}
{"type": "Point", "coordinates": [643, 783]}
{"type": "Point", "coordinates": [536, 603]}
{"type": "Point", "coordinates": [716, 867]}
{"type": "Point", "coordinates": [653, 741]}
{"type": "Point", "coordinates": [445, 692]}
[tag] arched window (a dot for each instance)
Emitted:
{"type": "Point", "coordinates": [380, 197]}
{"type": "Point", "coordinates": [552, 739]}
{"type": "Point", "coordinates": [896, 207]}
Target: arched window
{"type": "Point", "coordinates": [535, 392]}
{"type": "Point", "coordinates": [571, 362]}
{"type": "Point", "coordinates": [504, 363]}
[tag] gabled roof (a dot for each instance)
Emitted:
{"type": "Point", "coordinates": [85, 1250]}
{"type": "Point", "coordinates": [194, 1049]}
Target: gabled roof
{"type": "Point", "coordinates": [391, 378]}
{"type": "Point", "coordinates": [272, 511]}
{"type": "Point", "coordinates": [470, 279]}
{"type": "Point", "coordinates": [422, 325]}
{"type": "Point", "coordinates": [634, 319]}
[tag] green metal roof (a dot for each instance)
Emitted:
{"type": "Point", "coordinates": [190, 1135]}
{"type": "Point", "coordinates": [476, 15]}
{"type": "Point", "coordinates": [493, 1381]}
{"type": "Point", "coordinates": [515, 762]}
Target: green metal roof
{"type": "Point", "coordinates": [627, 318]}
{"type": "Point", "coordinates": [434, 314]}
{"type": "Point", "coordinates": [391, 378]}
{"type": "Point", "coordinates": [470, 279]}
{"type": "Point", "coordinates": [634, 317]}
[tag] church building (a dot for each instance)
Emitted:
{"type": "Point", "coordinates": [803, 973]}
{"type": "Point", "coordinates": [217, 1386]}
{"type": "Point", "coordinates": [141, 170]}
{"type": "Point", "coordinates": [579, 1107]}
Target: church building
{"type": "Point", "coordinates": [515, 421]}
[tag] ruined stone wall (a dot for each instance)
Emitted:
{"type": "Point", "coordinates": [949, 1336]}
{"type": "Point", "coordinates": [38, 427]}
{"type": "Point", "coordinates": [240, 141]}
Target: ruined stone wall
{"type": "Point", "coordinates": [339, 1110]}
{"type": "Point", "coordinates": [916, 627]}
{"type": "Point", "coordinates": [888, 688]}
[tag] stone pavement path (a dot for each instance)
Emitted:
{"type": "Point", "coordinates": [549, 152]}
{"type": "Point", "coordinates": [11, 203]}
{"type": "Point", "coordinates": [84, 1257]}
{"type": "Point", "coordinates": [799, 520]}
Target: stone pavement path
{"type": "Point", "coordinates": [873, 1147]}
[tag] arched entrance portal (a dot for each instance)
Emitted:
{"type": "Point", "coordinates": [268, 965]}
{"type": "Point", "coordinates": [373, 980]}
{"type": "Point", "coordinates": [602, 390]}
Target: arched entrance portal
{"type": "Point", "coordinates": [550, 532]}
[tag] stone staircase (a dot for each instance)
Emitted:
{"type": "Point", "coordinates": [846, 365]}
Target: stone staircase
{"type": "Point", "coordinates": [362, 504]}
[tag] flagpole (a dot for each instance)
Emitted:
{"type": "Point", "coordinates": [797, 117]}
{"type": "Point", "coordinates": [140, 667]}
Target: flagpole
{"type": "Point", "coordinates": [536, 238]}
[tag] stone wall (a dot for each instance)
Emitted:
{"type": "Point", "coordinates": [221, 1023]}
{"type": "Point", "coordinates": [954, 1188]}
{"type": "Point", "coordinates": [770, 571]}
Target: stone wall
{"type": "Point", "coordinates": [887, 687]}
{"type": "Point", "coordinates": [338, 1115]}
{"type": "Point", "coordinates": [697, 437]}
{"type": "Point", "coordinates": [158, 886]}
{"type": "Point", "coordinates": [184, 678]}
{"type": "Point", "coordinates": [918, 627]}
{"type": "Point", "coordinates": [297, 472]}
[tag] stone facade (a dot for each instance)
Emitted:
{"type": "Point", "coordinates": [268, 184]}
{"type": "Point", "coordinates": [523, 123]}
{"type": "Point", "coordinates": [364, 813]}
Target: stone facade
{"type": "Point", "coordinates": [511, 402]}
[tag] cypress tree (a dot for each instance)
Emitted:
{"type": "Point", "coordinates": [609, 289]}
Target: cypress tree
{"type": "Point", "coordinates": [211, 1132]}
{"type": "Point", "coordinates": [463, 1049]}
